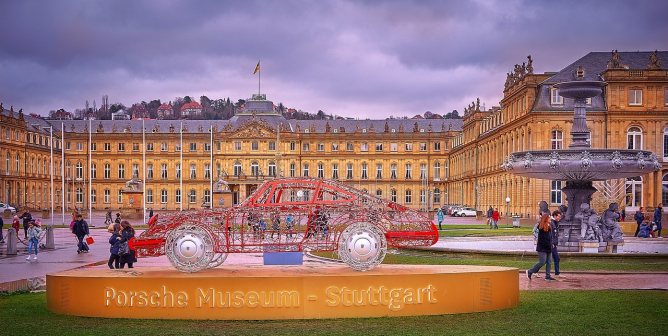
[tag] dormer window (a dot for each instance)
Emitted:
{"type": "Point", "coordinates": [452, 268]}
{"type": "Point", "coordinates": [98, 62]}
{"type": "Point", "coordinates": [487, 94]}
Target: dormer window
{"type": "Point", "coordinates": [556, 99]}
{"type": "Point", "coordinates": [363, 130]}
{"type": "Point", "coordinates": [336, 130]}
{"type": "Point", "coordinates": [394, 130]}
{"type": "Point", "coordinates": [306, 130]}
{"type": "Point", "coordinates": [421, 130]}
{"type": "Point", "coordinates": [580, 73]}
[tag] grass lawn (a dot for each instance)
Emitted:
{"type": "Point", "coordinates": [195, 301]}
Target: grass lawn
{"type": "Point", "coordinates": [539, 313]}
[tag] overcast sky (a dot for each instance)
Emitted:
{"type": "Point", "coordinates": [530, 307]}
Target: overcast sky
{"type": "Point", "coordinates": [367, 59]}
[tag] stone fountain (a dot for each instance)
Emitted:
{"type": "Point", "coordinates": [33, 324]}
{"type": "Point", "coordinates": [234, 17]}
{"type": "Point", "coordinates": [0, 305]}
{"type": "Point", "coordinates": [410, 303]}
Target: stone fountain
{"type": "Point", "coordinates": [581, 229]}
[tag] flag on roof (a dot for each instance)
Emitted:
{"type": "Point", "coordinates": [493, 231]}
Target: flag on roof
{"type": "Point", "coordinates": [257, 68]}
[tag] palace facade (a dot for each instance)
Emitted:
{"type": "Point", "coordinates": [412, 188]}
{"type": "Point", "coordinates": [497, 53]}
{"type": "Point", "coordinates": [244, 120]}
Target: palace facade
{"type": "Point", "coordinates": [422, 163]}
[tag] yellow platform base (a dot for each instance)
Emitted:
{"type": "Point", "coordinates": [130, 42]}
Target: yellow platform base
{"type": "Point", "coordinates": [282, 292]}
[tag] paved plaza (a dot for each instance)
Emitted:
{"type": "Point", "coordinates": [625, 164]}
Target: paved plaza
{"type": "Point", "coordinates": [16, 269]}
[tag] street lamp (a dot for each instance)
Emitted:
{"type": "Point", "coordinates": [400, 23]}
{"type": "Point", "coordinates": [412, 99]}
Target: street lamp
{"type": "Point", "coordinates": [507, 210]}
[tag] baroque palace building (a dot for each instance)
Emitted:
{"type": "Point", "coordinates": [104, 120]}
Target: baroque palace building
{"type": "Point", "coordinates": [422, 163]}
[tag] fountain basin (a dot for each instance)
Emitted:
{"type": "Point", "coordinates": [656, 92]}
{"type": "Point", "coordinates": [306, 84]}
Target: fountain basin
{"type": "Point", "coordinates": [582, 165]}
{"type": "Point", "coordinates": [580, 89]}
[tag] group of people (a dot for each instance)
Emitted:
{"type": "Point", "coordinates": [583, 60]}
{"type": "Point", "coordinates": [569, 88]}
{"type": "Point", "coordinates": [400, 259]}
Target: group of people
{"type": "Point", "coordinates": [547, 232]}
{"type": "Point", "coordinates": [649, 226]}
{"type": "Point", "coordinates": [493, 217]}
{"type": "Point", "coordinates": [32, 231]}
{"type": "Point", "coordinates": [119, 256]}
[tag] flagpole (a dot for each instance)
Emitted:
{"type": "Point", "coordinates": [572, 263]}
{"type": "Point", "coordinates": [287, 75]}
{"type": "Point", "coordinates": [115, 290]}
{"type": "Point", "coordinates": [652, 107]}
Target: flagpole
{"type": "Point", "coordinates": [259, 75]}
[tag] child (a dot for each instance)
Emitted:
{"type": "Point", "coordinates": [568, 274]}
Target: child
{"type": "Point", "coordinates": [34, 232]}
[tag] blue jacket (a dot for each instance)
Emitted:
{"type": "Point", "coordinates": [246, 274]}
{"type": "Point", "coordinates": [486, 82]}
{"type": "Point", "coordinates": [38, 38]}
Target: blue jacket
{"type": "Point", "coordinates": [657, 215]}
{"type": "Point", "coordinates": [114, 241]}
{"type": "Point", "coordinates": [440, 215]}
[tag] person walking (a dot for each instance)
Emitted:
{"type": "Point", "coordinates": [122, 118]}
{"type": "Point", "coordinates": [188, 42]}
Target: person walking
{"type": "Point", "coordinates": [27, 217]}
{"type": "Point", "coordinates": [495, 218]}
{"type": "Point", "coordinates": [544, 248]}
{"type": "Point", "coordinates": [114, 240]}
{"type": "Point", "coordinates": [2, 227]}
{"type": "Point", "coordinates": [554, 223]}
{"type": "Point", "coordinates": [80, 230]}
{"type": "Point", "coordinates": [127, 233]}
{"type": "Point", "coordinates": [118, 218]}
{"type": "Point", "coordinates": [75, 213]}
{"type": "Point", "coordinates": [16, 225]}
{"type": "Point", "coordinates": [107, 218]}
{"type": "Point", "coordinates": [34, 232]}
{"type": "Point", "coordinates": [658, 212]}
{"type": "Point", "coordinates": [150, 214]}
{"type": "Point", "coordinates": [490, 214]}
{"type": "Point", "coordinates": [439, 214]}
{"type": "Point", "coordinates": [639, 217]}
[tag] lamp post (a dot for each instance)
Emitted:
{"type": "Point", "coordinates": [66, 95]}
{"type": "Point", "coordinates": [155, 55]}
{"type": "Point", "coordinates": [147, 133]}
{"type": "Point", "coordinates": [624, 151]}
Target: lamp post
{"type": "Point", "coordinates": [507, 210]}
{"type": "Point", "coordinates": [479, 189]}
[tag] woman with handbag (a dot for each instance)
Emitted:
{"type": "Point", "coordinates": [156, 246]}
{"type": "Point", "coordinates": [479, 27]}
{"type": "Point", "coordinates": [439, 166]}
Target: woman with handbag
{"type": "Point", "coordinates": [127, 255]}
{"type": "Point", "coordinates": [114, 241]}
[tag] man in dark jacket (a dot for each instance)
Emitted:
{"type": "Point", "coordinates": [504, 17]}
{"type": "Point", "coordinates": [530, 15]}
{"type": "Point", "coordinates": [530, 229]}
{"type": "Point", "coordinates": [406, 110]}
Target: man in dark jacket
{"type": "Point", "coordinates": [554, 222]}
{"type": "Point", "coordinates": [658, 212]}
{"type": "Point", "coordinates": [80, 229]}
{"type": "Point", "coordinates": [27, 217]}
{"type": "Point", "coordinates": [490, 212]}
{"type": "Point", "coordinates": [2, 224]}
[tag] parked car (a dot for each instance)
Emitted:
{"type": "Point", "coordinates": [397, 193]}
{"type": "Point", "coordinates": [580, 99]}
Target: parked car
{"type": "Point", "coordinates": [4, 207]}
{"type": "Point", "coordinates": [453, 210]}
{"type": "Point", "coordinates": [288, 215]}
{"type": "Point", "coordinates": [465, 212]}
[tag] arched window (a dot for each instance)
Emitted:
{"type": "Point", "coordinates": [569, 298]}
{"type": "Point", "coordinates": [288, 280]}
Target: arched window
{"type": "Point", "coordinates": [272, 168]}
{"type": "Point", "coordinates": [39, 164]}
{"type": "Point", "coordinates": [254, 146]}
{"type": "Point", "coordinates": [193, 196]}
{"type": "Point", "coordinates": [409, 196]}
{"type": "Point", "coordinates": [305, 170]}
{"type": "Point", "coordinates": [437, 170]}
{"type": "Point", "coordinates": [177, 196]}
{"type": "Point", "coordinates": [321, 170]}
{"type": "Point", "coordinates": [107, 171]}
{"type": "Point", "coordinates": [379, 192]}
{"type": "Point", "coordinates": [193, 171]}
{"type": "Point", "coordinates": [207, 196]}
{"type": "Point", "coordinates": [393, 195]}
{"type": "Point", "coordinates": [121, 171]}
{"type": "Point", "coordinates": [79, 195]}
{"type": "Point", "coordinates": [149, 195]}
{"type": "Point", "coordinates": [437, 196]}
{"type": "Point", "coordinates": [634, 138]}
{"type": "Point", "coordinates": [237, 168]}
{"type": "Point", "coordinates": [634, 188]}
{"type": "Point", "coordinates": [255, 168]}
{"type": "Point", "coordinates": [664, 191]}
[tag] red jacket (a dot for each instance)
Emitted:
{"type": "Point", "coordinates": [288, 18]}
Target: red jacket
{"type": "Point", "coordinates": [496, 216]}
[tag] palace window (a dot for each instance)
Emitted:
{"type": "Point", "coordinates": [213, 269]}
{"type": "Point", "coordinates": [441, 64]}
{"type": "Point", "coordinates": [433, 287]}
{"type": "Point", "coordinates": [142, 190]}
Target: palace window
{"type": "Point", "coordinates": [254, 145]}
{"type": "Point", "coordinates": [79, 146]}
{"type": "Point", "coordinates": [164, 147]}
{"type": "Point", "coordinates": [255, 169]}
{"type": "Point", "coordinates": [177, 147]}
{"type": "Point", "coordinates": [272, 145]}
{"type": "Point", "coordinates": [163, 171]}
{"type": "Point", "coordinates": [193, 171]}
{"type": "Point", "coordinates": [193, 147]}
{"type": "Point", "coordinates": [149, 171]}
{"type": "Point", "coordinates": [349, 171]}
{"type": "Point", "coordinates": [555, 192]}
{"type": "Point", "coordinates": [335, 146]}
{"type": "Point", "coordinates": [349, 146]}
{"type": "Point", "coordinates": [207, 147]}
{"type": "Point", "coordinates": [120, 196]}
{"type": "Point", "coordinates": [107, 196]}
{"type": "Point", "coordinates": [437, 196]}
{"type": "Point", "coordinates": [79, 195]}
{"type": "Point", "coordinates": [664, 189]}
{"type": "Point", "coordinates": [193, 196]}
{"type": "Point", "coordinates": [107, 171]}
{"type": "Point", "coordinates": [437, 146]}
{"type": "Point", "coordinates": [163, 196]}
{"type": "Point", "coordinates": [379, 171]}
{"type": "Point", "coordinates": [364, 171]}
{"type": "Point", "coordinates": [207, 196]}
{"type": "Point", "coordinates": [218, 146]}
{"type": "Point", "coordinates": [121, 171]}
{"type": "Point", "coordinates": [423, 171]}
{"type": "Point", "coordinates": [364, 147]}
{"type": "Point", "coordinates": [272, 168]}
{"type": "Point", "coordinates": [135, 147]}
{"type": "Point", "coordinates": [409, 146]}
{"type": "Point", "coordinates": [393, 147]}
{"type": "Point", "coordinates": [635, 97]}
{"type": "Point", "coordinates": [293, 146]}
{"type": "Point", "coordinates": [305, 147]}
{"type": "Point", "coordinates": [393, 195]}
{"type": "Point", "coordinates": [665, 145]}
{"type": "Point", "coordinates": [177, 196]}
{"type": "Point", "coordinates": [292, 170]}
{"type": "Point", "coordinates": [379, 192]}
{"type": "Point", "coordinates": [207, 171]}
{"type": "Point", "coordinates": [321, 147]}
{"type": "Point", "coordinates": [379, 146]}
{"type": "Point", "coordinates": [393, 171]}
{"type": "Point", "coordinates": [237, 168]}
{"type": "Point", "coordinates": [107, 146]}
{"type": "Point", "coordinates": [121, 147]}
{"type": "Point", "coordinates": [149, 147]}
{"type": "Point", "coordinates": [93, 171]}
{"type": "Point", "coordinates": [634, 137]}
{"type": "Point", "coordinates": [93, 196]}
{"type": "Point", "coordinates": [555, 98]}
{"type": "Point", "coordinates": [178, 171]}
{"type": "Point", "coordinates": [149, 195]}
{"type": "Point", "coordinates": [634, 191]}
{"type": "Point", "coordinates": [305, 170]}
{"type": "Point", "coordinates": [135, 169]}
{"type": "Point", "coordinates": [321, 170]}
{"type": "Point", "coordinates": [409, 196]}
{"type": "Point", "coordinates": [557, 140]}
{"type": "Point", "coordinates": [335, 171]}
{"type": "Point", "coordinates": [423, 146]}
{"type": "Point", "coordinates": [423, 196]}
{"type": "Point", "coordinates": [409, 171]}
{"type": "Point", "coordinates": [93, 147]}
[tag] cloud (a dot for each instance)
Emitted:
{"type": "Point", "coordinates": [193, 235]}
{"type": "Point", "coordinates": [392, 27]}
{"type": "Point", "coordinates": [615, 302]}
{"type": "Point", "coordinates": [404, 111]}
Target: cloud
{"type": "Point", "coordinates": [353, 58]}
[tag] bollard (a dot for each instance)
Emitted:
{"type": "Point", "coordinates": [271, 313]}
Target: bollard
{"type": "Point", "coordinates": [50, 241]}
{"type": "Point", "coordinates": [11, 242]}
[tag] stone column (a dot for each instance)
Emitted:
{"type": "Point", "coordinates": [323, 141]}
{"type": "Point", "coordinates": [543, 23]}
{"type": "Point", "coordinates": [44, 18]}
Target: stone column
{"type": "Point", "coordinates": [11, 241]}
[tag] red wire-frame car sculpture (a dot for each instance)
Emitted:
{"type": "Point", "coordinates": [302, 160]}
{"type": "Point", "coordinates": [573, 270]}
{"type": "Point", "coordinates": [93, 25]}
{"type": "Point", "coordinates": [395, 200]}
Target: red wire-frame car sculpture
{"type": "Point", "coordinates": [288, 214]}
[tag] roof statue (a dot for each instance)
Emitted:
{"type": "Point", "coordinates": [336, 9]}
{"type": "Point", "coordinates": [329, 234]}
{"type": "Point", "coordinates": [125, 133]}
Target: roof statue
{"type": "Point", "coordinates": [372, 128]}
{"type": "Point", "coordinates": [100, 128]}
{"type": "Point", "coordinates": [615, 61]}
{"type": "Point", "coordinates": [171, 128]}
{"type": "Point", "coordinates": [11, 111]}
{"type": "Point", "coordinates": [415, 127]}
{"type": "Point", "coordinates": [85, 130]}
{"type": "Point", "coordinates": [387, 127]}
{"type": "Point", "coordinates": [529, 65]}
{"type": "Point", "coordinates": [654, 61]}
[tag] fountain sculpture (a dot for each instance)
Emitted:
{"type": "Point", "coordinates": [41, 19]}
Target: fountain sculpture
{"type": "Point", "coordinates": [579, 166]}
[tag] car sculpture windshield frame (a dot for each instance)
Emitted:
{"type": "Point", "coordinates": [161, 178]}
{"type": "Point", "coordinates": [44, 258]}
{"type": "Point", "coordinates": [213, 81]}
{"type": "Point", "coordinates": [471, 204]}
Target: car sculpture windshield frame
{"type": "Point", "coordinates": [288, 215]}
